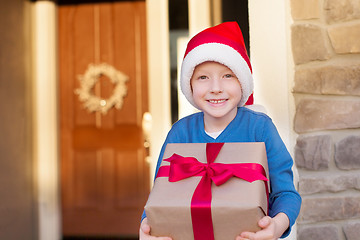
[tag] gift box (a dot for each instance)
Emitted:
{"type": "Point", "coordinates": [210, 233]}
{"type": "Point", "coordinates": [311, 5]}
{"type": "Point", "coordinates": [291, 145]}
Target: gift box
{"type": "Point", "coordinates": [209, 191]}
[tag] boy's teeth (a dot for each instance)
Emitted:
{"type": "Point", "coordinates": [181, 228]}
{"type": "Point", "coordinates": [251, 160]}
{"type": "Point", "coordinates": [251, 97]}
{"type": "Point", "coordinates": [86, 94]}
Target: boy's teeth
{"type": "Point", "coordinates": [217, 101]}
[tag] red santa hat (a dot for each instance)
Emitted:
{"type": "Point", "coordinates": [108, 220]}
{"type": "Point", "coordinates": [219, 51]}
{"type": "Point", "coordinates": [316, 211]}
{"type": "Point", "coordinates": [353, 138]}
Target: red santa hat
{"type": "Point", "coordinates": [224, 44]}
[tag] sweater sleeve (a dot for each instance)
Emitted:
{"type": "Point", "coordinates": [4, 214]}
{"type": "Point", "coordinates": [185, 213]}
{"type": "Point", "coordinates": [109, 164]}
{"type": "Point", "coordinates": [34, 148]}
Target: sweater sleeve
{"type": "Point", "coordinates": [283, 196]}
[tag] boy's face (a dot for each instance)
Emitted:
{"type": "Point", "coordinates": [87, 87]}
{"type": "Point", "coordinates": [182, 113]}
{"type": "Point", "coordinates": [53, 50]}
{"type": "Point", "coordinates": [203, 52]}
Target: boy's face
{"type": "Point", "coordinates": [216, 91]}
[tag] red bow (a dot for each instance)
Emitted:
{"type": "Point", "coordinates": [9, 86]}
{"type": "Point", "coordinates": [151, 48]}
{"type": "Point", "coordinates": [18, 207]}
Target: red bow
{"type": "Point", "coordinates": [185, 167]}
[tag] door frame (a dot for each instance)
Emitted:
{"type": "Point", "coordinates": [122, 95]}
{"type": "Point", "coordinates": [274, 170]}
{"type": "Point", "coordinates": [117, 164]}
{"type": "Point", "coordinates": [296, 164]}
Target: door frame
{"type": "Point", "coordinates": [45, 123]}
{"type": "Point", "coordinates": [46, 104]}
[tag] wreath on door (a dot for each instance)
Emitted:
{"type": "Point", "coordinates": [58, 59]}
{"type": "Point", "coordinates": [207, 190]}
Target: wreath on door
{"type": "Point", "coordinates": [94, 103]}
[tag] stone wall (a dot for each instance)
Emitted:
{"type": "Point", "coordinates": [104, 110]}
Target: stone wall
{"type": "Point", "coordinates": [326, 50]}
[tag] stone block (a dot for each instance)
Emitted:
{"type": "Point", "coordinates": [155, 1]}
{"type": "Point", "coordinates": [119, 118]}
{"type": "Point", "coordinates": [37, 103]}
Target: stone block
{"type": "Point", "coordinates": [327, 232]}
{"type": "Point", "coordinates": [308, 43]}
{"type": "Point", "coordinates": [345, 38]}
{"type": "Point", "coordinates": [330, 183]}
{"type": "Point", "coordinates": [305, 9]}
{"type": "Point", "coordinates": [318, 209]}
{"type": "Point", "coordinates": [352, 231]}
{"type": "Point", "coordinates": [308, 81]}
{"type": "Point", "coordinates": [347, 153]}
{"type": "Point", "coordinates": [341, 10]}
{"type": "Point", "coordinates": [316, 114]}
{"type": "Point", "coordinates": [339, 80]}
{"type": "Point", "coordinates": [313, 153]}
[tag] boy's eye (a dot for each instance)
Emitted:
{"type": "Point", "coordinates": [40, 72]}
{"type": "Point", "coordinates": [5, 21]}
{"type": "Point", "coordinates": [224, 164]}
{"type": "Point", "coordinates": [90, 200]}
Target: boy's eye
{"type": "Point", "coordinates": [228, 76]}
{"type": "Point", "coordinates": [202, 77]}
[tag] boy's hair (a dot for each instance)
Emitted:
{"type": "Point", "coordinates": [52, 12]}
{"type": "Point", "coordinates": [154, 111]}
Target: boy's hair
{"type": "Point", "coordinates": [224, 44]}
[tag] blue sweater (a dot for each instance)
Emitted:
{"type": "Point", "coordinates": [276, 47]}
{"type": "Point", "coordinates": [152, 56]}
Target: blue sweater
{"type": "Point", "coordinates": [248, 126]}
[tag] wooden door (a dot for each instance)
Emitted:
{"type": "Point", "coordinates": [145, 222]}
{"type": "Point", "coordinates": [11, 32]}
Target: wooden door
{"type": "Point", "coordinates": [104, 175]}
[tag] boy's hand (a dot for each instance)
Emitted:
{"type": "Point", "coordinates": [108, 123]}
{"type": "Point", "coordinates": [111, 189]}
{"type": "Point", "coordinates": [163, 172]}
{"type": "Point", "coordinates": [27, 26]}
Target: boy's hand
{"type": "Point", "coordinates": [272, 228]}
{"type": "Point", "coordinates": [144, 232]}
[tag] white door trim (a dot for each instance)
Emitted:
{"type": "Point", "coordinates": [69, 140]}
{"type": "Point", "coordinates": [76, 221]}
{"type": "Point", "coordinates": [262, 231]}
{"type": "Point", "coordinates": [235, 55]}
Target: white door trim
{"type": "Point", "coordinates": [45, 127]}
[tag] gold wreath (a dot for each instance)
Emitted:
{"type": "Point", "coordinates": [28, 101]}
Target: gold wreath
{"type": "Point", "coordinates": [88, 80]}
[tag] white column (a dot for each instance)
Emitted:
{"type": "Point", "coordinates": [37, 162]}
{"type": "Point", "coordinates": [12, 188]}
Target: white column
{"type": "Point", "coordinates": [199, 19]}
{"type": "Point", "coordinates": [46, 119]}
{"type": "Point", "coordinates": [158, 75]}
{"type": "Point", "coordinates": [199, 15]}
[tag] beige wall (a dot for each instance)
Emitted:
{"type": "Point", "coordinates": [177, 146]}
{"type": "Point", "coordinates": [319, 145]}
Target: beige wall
{"type": "Point", "coordinates": [17, 206]}
{"type": "Point", "coordinates": [269, 51]}
{"type": "Point", "coordinates": [271, 59]}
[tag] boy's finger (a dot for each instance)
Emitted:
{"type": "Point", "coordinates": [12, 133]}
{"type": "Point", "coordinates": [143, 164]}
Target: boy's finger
{"type": "Point", "coordinates": [240, 238]}
{"type": "Point", "coordinates": [159, 238]}
{"type": "Point", "coordinates": [264, 222]}
{"type": "Point", "coordinates": [246, 235]}
{"type": "Point", "coordinates": [145, 233]}
{"type": "Point", "coordinates": [145, 228]}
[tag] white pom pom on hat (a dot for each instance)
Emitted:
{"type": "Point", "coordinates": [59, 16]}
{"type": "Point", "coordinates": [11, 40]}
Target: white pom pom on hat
{"type": "Point", "coordinates": [224, 44]}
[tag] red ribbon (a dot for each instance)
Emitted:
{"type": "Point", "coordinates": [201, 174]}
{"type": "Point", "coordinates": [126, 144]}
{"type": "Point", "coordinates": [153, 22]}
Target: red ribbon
{"type": "Point", "coordinates": [185, 167]}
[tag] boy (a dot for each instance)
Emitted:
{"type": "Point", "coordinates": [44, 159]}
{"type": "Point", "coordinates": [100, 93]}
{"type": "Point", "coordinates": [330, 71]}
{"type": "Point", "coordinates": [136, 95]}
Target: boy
{"type": "Point", "coordinates": [216, 77]}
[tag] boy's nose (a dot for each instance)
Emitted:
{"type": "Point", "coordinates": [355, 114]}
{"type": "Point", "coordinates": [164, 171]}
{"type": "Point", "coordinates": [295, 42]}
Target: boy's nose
{"type": "Point", "coordinates": [216, 86]}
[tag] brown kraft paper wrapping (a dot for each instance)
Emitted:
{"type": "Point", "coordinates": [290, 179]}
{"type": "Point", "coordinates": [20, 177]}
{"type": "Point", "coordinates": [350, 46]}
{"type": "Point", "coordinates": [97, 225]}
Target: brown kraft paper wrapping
{"type": "Point", "coordinates": [236, 205]}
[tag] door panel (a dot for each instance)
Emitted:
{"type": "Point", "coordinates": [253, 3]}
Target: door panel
{"type": "Point", "coordinates": [104, 175]}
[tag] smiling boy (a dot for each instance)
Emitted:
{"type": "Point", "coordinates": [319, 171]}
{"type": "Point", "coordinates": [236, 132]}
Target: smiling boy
{"type": "Point", "coordinates": [216, 78]}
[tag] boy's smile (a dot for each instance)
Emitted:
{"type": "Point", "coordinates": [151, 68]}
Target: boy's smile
{"type": "Point", "coordinates": [217, 101]}
{"type": "Point", "coordinates": [217, 92]}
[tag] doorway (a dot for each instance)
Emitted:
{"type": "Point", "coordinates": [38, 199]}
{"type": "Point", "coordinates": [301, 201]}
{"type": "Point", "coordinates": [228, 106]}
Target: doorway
{"type": "Point", "coordinates": [104, 174]}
